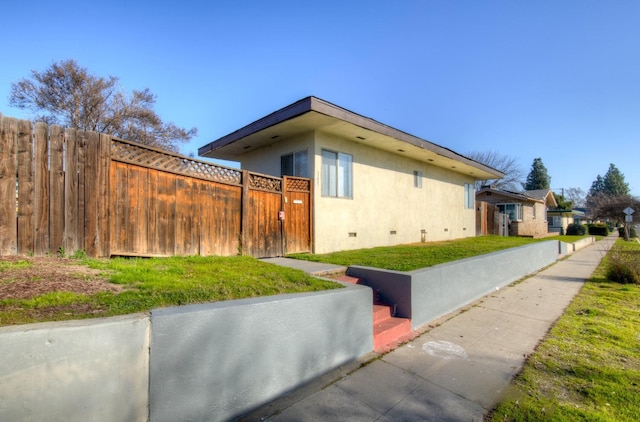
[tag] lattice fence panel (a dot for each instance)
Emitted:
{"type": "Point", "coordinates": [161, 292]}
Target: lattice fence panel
{"type": "Point", "coordinates": [173, 163]}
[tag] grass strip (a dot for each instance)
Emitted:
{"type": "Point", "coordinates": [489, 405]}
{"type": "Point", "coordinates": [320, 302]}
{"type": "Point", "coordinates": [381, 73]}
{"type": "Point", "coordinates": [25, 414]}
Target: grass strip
{"type": "Point", "coordinates": [422, 255]}
{"type": "Point", "coordinates": [588, 366]}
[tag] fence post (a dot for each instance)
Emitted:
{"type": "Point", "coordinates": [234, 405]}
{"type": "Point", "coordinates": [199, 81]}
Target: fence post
{"type": "Point", "coordinates": [244, 219]}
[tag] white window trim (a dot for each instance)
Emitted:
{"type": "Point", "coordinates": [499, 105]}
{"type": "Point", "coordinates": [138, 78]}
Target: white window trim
{"type": "Point", "coordinates": [518, 209]}
{"type": "Point", "coordinates": [337, 177]}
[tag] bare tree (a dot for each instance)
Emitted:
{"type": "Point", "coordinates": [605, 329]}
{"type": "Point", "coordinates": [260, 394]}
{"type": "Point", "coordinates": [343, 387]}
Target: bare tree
{"type": "Point", "coordinates": [67, 94]}
{"type": "Point", "coordinates": [576, 196]}
{"type": "Point", "coordinates": [513, 173]}
{"type": "Point", "coordinates": [611, 207]}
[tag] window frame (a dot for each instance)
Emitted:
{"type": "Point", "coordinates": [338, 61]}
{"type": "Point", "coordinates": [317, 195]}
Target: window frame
{"type": "Point", "coordinates": [469, 196]}
{"type": "Point", "coordinates": [417, 179]}
{"type": "Point", "coordinates": [295, 163]}
{"type": "Point", "coordinates": [517, 210]}
{"type": "Point", "coordinates": [337, 175]}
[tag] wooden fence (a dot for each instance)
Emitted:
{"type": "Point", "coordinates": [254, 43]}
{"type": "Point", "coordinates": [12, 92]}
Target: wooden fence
{"type": "Point", "coordinates": [490, 221]}
{"type": "Point", "coordinates": [65, 190]}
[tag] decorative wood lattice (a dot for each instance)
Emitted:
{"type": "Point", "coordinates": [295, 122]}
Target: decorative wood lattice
{"type": "Point", "coordinates": [259, 181]}
{"type": "Point", "coordinates": [147, 157]}
{"type": "Point", "coordinates": [302, 185]}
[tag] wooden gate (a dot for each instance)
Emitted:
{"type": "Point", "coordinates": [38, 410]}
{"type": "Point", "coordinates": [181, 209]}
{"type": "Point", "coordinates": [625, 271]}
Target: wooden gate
{"type": "Point", "coordinates": [276, 215]}
{"type": "Point", "coordinates": [297, 209]}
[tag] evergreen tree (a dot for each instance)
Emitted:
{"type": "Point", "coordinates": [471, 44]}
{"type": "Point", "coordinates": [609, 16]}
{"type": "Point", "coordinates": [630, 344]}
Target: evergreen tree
{"type": "Point", "coordinates": [538, 177]}
{"type": "Point", "coordinates": [597, 186]}
{"type": "Point", "coordinates": [614, 183]}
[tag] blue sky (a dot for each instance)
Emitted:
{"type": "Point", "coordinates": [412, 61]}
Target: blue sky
{"type": "Point", "coordinates": [559, 80]}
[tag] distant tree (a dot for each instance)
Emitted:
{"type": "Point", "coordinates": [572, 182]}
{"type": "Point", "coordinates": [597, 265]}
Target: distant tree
{"type": "Point", "coordinates": [538, 177]}
{"type": "Point", "coordinates": [614, 183]}
{"type": "Point", "coordinates": [563, 203]}
{"type": "Point", "coordinates": [513, 174]}
{"type": "Point", "coordinates": [597, 186]}
{"type": "Point", "coordinates": [67, 94]}
{"type": "Point", "coordinates": [611, 207]}
{"type": "Point", "coordinates": [576, 196]}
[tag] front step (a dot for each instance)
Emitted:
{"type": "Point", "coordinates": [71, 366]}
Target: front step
{"type": "Point", "coordinates": [389, 332]}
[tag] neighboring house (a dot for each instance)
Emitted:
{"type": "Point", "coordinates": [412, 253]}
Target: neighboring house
{"type": "Point", "coordinates": [527, 210]}
{"type": "Point", "coordinates": [373, 185]}
{"type": "Point", "coordinates": [559, 220]}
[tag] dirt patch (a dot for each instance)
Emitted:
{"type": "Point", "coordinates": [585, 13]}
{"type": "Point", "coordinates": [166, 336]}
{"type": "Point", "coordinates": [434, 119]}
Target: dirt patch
{"type": "Point", "coordinates": [28, 277]}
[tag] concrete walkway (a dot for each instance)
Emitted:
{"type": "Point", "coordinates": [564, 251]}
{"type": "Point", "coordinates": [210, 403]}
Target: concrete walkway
{"type": "Point", "coordinates": [457, 371]}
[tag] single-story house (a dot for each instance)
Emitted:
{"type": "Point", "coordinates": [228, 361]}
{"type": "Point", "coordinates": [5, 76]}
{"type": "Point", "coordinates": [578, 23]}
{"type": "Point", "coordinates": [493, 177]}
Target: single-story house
{"type": "Point", "coordinates": [527, 210]}
{"type": "Point", "coordinates": [559, 220]}
{"type": "Point", "coordinates": [373, 185]}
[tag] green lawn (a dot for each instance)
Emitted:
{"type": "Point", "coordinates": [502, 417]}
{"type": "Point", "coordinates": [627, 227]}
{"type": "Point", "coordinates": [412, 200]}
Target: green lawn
{"type": "Point", "coordinates": [158, 282]}
{"type": "Point", "coordinates": [421, 255]}
{"type": "Point", "coordinates": [588, 367]}
{"type": "Point", "coordinates": [149, 283]}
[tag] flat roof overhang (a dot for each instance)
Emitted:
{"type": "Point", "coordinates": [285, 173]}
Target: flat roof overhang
{"type": "Point", "coordinates": [313, 114]}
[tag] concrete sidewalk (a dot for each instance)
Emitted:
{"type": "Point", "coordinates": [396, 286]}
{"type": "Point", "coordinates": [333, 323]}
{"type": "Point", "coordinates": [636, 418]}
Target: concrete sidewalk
{"type": "Point", "coordinates": [457, 371]}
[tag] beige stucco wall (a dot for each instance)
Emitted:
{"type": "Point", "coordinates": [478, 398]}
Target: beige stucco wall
{"type": "Point", "coordinates": [266, 160]}
{"type": "Point", "coordinates": [384, 197]}
{"type": "Point", "coordinates": [385, 201]}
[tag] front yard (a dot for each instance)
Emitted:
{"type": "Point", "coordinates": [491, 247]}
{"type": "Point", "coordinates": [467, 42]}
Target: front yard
{"type": "Point", "coordinates": [36, 289]}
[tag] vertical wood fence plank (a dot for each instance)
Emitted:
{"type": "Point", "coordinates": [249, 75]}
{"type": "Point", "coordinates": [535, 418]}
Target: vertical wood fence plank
{"type": "Point", "coordinates": [41, 190]}
{"type": "Point", "coordinates": [91, 235]}
{"type": "Point", "coordinates": [8, 169]}
{"type": "Point", "coordinates": [204, 206]}
{"type": "Point", "coordinates": [245, 247]}
{"type": "Point", "coordinates": [186, 220]}
{"type": "Point", "coordinates": [25, 188]}
{"type": "Point", "coordinates": [56, 189]}
{"type": "Point", "coordinates": [104, 160]}
{"type": "Point", "coordinates": [230, 212]}
{"type": "Point", "coordinates": [81, 142]}
{"type": "Point", "coordinates": [71, 193]}
{"type": "Point", "coordinates": [167, 220]}
{"type": "Point", "coordinates": [153, 245]}
{"type": "Point", "coordinates": [120, 204]}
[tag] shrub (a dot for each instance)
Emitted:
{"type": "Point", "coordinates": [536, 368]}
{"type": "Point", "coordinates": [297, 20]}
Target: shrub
{"type": "Point", "coordinates": [598, 229]}
{"type": "Point", "coordinates": [576, 229]}
{"type": "Point", "coordinates": [632, 232]}
{"type": "Point", "coordinates": [624, 267]}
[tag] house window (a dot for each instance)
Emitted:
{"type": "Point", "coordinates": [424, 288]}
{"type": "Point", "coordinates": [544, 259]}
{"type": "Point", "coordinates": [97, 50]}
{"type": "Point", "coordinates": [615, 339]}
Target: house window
{"type": "Point", "coordinates": [469, 195]}
{"type": "Point", "coordinates": [514, 211]}
{"type": "Point", "coordinates": [417, 179]}
{"type": "Point", "coordinates": [337, 174]}
{"type": "Point", "coordinates": [555, 221]}
{"type": "Point", "coordinates": [294, 164]}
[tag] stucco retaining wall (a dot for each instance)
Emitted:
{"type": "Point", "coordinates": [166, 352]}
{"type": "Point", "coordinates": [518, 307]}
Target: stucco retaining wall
{"type": "Point", "coordinates": [89, 370]}
{"type": "Point", "coordinates": [201, 362]}
{"type": "Point", "coordinates": [426, 294]}
{"type": "Point", "coordinates": [217, 361]}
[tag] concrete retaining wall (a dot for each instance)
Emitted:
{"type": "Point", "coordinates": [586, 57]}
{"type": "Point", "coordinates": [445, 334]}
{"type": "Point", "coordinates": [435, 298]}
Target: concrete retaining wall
{"type": "Point", "coordinates": [90, 370]}
{"type": "Point", "coordinates": [202, 362]}
{"type": "Point", "coordinates": [582, 243]}
{"type": "Point", "coordinates": [426, 294]}
{"type": "Point", "coordinates": [217, 361]}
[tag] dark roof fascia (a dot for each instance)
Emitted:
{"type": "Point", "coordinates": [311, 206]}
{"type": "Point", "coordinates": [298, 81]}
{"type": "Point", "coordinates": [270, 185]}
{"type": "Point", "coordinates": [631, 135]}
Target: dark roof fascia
{"type": "Point", "coordinates": [311, 103]}
{"type": "Point", "coordinates": [287, 113]}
